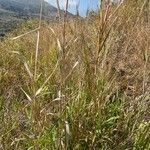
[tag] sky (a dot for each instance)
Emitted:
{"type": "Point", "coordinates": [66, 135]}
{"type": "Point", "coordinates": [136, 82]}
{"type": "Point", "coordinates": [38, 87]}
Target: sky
{"type": "Point", "coordinates": [84, 5]}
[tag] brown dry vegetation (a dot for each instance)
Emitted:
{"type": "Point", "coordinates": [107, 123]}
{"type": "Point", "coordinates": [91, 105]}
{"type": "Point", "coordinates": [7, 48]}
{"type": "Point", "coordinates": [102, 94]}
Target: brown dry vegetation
{"type": "Point", "coordinates": [88, 88]}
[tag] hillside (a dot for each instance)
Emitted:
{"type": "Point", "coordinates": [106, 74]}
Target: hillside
{"type": "Point", "coordinates": [13, 12]}
{"type": "Point", "coordinates": [28, 7]}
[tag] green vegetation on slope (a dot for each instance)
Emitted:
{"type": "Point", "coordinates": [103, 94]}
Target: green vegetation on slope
{"type": "Point", "coordinates": [85, 85]}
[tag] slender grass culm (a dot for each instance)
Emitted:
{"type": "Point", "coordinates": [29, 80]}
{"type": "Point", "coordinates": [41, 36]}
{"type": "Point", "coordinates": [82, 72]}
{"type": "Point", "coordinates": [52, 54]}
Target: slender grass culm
{"type": "Point", "coordinates": [77, 83]}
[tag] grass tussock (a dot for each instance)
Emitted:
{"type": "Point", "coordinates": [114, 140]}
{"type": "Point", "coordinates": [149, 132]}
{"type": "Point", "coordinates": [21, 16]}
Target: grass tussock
{"type": "Point", "coordinates": [85, 87]}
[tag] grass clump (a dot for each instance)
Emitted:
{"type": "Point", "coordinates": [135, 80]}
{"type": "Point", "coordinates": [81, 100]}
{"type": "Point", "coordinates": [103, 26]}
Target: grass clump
{"type": "Point", "coordinates": [91, 86]}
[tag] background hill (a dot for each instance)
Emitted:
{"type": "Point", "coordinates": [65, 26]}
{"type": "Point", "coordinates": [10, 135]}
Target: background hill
{"type": "Point", "coordinates": [13, 12]}
{"type": "Point", "coordinates": [27, 7]}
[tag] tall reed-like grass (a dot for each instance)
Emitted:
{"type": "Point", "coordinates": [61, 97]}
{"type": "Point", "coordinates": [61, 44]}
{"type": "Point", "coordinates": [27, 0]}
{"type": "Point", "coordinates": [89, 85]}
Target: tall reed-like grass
{"type": "Point", "coordinates": [78, 84]}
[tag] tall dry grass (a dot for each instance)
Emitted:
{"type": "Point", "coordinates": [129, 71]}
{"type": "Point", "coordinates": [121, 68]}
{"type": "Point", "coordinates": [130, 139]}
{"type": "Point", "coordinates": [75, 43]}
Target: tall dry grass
{"type": "Point", "coordinates": [85, 87]}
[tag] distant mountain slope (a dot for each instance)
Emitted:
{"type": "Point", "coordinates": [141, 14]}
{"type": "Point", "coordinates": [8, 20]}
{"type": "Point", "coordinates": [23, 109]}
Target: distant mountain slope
{"type": "Point", "coordinates": [27, 7]}
{"type": "Point", "coordinates": [14, 11]}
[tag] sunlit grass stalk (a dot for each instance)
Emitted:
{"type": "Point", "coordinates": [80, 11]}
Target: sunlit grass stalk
{"type": "Point", "coordinates": [61, 57]}
{"type": "Point", "coordinates": [38, 40]}
{"type": "Point", "coordinates": [58, 9]}
{"type": "Point", "coordinates": [35, 104]}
